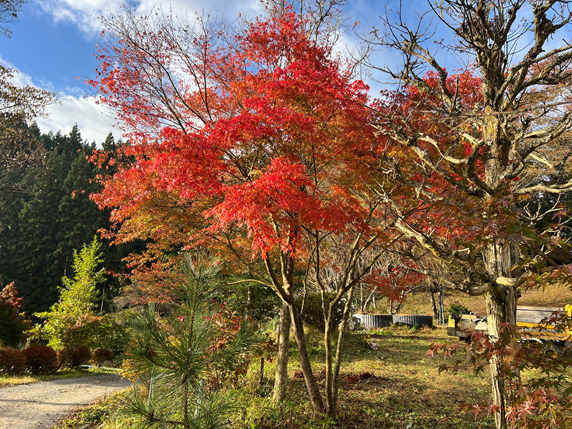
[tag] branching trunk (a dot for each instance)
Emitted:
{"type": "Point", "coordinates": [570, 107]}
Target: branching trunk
{"type": "Point", "coordinates": [309, 379]}
{"type": "Point", "coordinates": [370, 298]}
{"type": "Point", "coordinates": [334, 383]}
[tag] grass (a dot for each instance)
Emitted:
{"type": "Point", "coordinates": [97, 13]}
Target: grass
{"type": "Point", "coordinates": [93, 414]}
{"type": "Point", "coordinates": [419, 303]}
{"type": "Point", "coordinates": [13, 380]}
{"type": "Point", "coordinates": [387, 381]}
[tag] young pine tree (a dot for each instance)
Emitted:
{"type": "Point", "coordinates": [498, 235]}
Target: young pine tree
{"type": "Point", "coordinates": [186, 354]}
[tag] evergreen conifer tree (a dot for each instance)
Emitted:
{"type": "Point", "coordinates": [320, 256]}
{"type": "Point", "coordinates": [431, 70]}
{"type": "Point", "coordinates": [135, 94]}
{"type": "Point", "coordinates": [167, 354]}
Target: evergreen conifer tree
{"type": "Point", "coordinates": [184, 353]}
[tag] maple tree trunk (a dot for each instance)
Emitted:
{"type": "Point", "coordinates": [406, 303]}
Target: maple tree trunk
{"type": "Point", "coordinates": [330, 400]}
{"type": "Point", "coordinates": [281, 377]}
{"type": "Point", "coordinates": [309, 379]}
{"type": "Point", "coordinates": [333, 390]}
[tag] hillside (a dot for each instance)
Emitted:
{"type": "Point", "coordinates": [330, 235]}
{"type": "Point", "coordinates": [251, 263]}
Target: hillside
{"type": "Point", "coordinates": [555, 296]}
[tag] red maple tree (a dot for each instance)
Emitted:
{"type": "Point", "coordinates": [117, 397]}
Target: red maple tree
{"type": "Point", "coordinates": [255, 148]}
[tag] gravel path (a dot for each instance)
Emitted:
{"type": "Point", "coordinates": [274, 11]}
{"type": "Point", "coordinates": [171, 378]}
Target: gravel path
{"type": "Point", "coordinates": [40, 405]}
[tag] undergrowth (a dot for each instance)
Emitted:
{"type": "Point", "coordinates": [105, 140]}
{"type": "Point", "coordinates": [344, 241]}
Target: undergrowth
{"type": "Point", "coordinates": [387, 381]}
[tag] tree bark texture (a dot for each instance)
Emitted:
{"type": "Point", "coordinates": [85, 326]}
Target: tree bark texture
{"type": "Point", "coordinates": [309, 379]}
{"type": "Point", "coordinates": [501, 303]}
{"type": "Point", "coordinates": [333, 391]}
{"type": "Point", "coordinates": [281, 377]}
{"type": "Point", "coordinates": [501, 309]}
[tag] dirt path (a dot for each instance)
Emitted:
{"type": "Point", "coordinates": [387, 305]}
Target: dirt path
{"type": "Point", "coordinates": [40, 405]}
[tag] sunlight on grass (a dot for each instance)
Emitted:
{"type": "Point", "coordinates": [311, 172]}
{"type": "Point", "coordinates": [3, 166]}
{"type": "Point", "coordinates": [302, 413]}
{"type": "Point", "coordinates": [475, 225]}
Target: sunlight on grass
{"type": "Point", "coordinates": [13, 380]}
{"type": "Point", "coordinates": [387, 381]}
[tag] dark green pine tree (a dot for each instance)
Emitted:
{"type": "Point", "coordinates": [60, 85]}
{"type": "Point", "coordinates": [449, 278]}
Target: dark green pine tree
{"type": "Point", "coordinates": [114, 255]}
{"type": "Point", "coordinates": [53, 217]}
{"type": "Point", "coordinates": [80, 219]}
{"type": "Point", "coordinates": [15, 187]}
{"type": "Point", "coordinates": [35, 266]}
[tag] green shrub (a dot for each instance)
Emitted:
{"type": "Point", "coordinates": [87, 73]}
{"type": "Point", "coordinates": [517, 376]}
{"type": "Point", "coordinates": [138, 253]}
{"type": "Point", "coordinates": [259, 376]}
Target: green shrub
{"type": "Point", "coordinates": [41, 359]}
{"type": "Point", "coordinates": [95, 331]}
{"type": "Point", "coordinates": [12, 361]}
{"type": "Point", "coordinates": [258, 302]}
{"type": "Point", "coordinates": [100, 355]}
{"type": "Point", "coordinates": [456, 308]}
{"type": "Point", "coordinates": [313, 314]}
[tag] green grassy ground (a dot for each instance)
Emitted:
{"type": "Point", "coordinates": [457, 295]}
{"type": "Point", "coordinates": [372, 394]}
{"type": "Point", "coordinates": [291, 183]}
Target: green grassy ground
{"type": "Point", "coordinates": [387, 381]}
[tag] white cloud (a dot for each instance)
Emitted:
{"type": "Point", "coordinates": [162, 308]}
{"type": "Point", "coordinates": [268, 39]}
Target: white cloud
{"type": "Point", "coordinates": [80, 13]}
{"type": "Point", "coordinates": [90, 117]}
{"type": "Point", "coordinates": [83, 13]}
{"type": "Point", "coordinates": [19, 78]}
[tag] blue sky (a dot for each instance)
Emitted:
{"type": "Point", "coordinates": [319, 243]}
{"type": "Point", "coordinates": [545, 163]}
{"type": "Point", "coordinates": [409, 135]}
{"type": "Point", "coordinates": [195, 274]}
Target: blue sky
{"type": "Point", "coordinates": [53, 42]}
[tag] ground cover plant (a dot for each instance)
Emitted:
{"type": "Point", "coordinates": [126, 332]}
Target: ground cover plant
{"type": "Point", "coordinates": [93, 414]}
{"type": "Point", "coordinates": [389, 382]}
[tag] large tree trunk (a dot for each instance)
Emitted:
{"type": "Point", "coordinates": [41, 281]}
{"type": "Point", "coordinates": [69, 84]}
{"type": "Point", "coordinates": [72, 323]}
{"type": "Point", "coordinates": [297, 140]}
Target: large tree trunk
{"type": "Point", "coordinates": [501, 302]}
{"type": "Point", "coordinates": [281, 377]}
{"type": "Point", "coordinates": [310, 380]}
{"type": "Point", "coordinates": [501, 309]}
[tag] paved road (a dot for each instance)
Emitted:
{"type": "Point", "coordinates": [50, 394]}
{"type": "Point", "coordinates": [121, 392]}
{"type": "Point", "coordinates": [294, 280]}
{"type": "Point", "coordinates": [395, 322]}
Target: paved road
{"type": "Point", "coordinates": [40, 405]}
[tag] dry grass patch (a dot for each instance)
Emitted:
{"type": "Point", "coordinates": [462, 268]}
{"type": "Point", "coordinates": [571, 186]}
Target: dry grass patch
{"type": "Point", "coordinates": [14, 380]}
{"type": "Point", "coordinates": [553, 296]}
{"type": "Point", "coordinates": [387, 381]}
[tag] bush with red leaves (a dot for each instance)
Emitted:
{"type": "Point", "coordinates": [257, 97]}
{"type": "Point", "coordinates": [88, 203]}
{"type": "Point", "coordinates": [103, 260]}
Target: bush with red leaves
{"type": "Point", "coordinates": [74, 357]}
{"type": "Point", "coordinates": [100, 355]}
{"type": "Point", "coordinates": [41, 359]}
{"type": "Point", "coordinates": [12, 361]}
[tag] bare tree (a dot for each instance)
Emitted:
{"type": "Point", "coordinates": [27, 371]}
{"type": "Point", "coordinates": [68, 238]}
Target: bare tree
{"type": "Point", "coordinates": [19, 148]}
{"type": "Point", "coordinates": [479, 145]}
{"type": "Point", "coordinates": [8, 13]}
